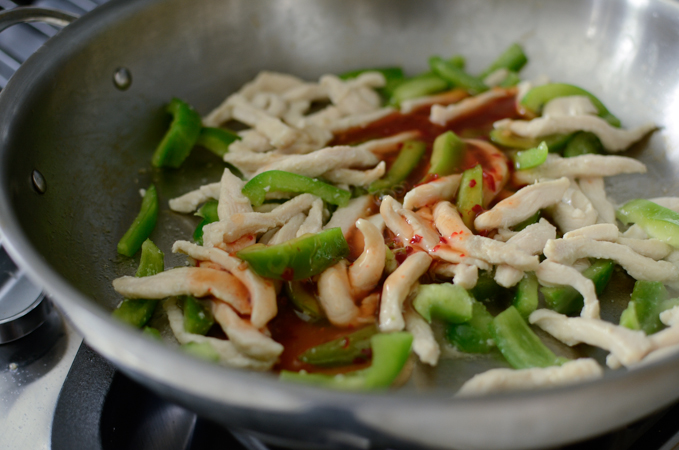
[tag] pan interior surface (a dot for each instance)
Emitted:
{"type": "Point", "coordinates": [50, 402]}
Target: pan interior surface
{"type": "Point", "coordinates": [63, 116]}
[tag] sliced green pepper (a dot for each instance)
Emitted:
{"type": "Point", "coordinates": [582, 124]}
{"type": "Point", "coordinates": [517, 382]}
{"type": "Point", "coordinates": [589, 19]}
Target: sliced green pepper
{"type": "Point", "coordinates": [657, 221]}
{"type": "Point", "coordinates": [537, 97]}
{"type": "Point", "coordinates": [566, 300]}
{"type": "Point", "coordinates": [513, 59]}
{"type": "Point", "coordinates": [281, 181]}
{"type": "Point", "coordinates": [527, 159]}
{"type": "Point", "coordinates": [526, 297]}
{"type": "Point", "coordinates": [153, 333]}
{"type": "Point", "coordinates": [297, 258]}
{"type": "Point", "coordinates": [390, 263]}
{"type": "Point", "coordinates": [209, 214]}
{"type": "Point", "coordinates": [350, 349]}
{"type": "Point", "coordinates": [555, 142]}
{"type": "Point", "coordinates": [142, 226]}
{"type": "Point", "coordinates": [472, 336]}
{"type": "Point", "coordinates": [520, 346]}
{"type": "Point", "coordinates": [470, 195]}
{"type": "Point", "coordinates": [445, 301]}
{"type": "Point", "coordinates": [447, 154]}
{"type": "Point", "coordinates": [419, 86]}
{"type": "Point", "coordinates": [137, 312]}
{"type": "Point", "coordinates": [408, 159]}
{"type": "Point", "coordinates": [198, 318]}
{"type": "Point", "coordinates": [512, 79]}
{"type": "Point", "coordinates": [487, 288]}
{"type": "Point", "coordinates": [456, 76]}
{"type": "Point", "coordinates": [390, 352]}
{"type": "Point", "coordinates": [303, 300]}
{"type": "Point", "coordinates": [180, 137]}
{"type": "Point", "coordinates": [217, 140]}
{"type": "Point", "coordinates": [202, 350]}
{"type": "Point", "coordinates": [644, 308]}
{"type": "Point", "coordinates": [535, 218]}
{"type": "Point", "coordinates": [583, 143]}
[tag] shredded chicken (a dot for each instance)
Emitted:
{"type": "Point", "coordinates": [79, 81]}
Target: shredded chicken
{"type": "Point", "coordinates": [195, 281]}
{"type": "Point", "coordinates": [500, 380]}
{"type": "Point", "coordinates": [628, 346]}
{"type": "Point", "coordinates": [227, 351]}
{"type": "Point", "coordinates": [424, 343]}
{"type": "Point", "coordinates": [567, 251]}
{"type": "Point", "coordinates": [334, 293]}
{"type": "Point", "coordinates": [443, 188]}
{"type": "Point", "coordinates": [522, 205]}
{"type": "Point", "coordinates": [321, 161]}
{"type": "Point", "coordinates": [396, 288]}
{"type": "Point", "coordinates": [346, 216]}
{"type": "Point", "coordinates": [442, 115]}
{"type": "Point", "coordinates": [356, 177]}
{"type": "Point", "coordinates": [551, 273]}
{"type": "Point", "coordinates": [189, 202]}
{"type": "Point", "coordinates": [593, 188]}
{"type": "Point", "coordinates": [366, 271]}
{"type": "Point", "coordinates": [446, 98]}
{"type": "Point", "coordinates": [579, 166]}
{"type": "Point", "coordinates": [613, 139]}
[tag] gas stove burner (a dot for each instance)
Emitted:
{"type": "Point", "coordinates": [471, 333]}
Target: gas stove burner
{"type": "Point", "coordinates": [22, 305]}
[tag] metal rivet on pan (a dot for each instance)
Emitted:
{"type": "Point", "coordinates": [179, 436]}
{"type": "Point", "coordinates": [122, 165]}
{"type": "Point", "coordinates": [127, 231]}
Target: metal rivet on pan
{"type": "Point", "coordinates": [39, 182]}
{"type": "Point", "coordinates": [13, 367]}
{"type": "Point", "coordinates": [122, 78]}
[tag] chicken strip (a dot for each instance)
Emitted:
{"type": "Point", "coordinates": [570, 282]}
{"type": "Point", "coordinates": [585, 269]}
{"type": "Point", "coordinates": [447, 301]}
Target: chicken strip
{"type": "Point", "coordinates": [396, 289]}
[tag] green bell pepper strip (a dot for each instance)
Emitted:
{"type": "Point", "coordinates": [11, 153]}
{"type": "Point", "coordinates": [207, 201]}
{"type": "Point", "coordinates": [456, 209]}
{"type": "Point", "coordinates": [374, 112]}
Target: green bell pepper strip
{"type": "Point", "coordinates": [456, 76]}
{"type": "Point", "coordinates": [390, 73]}
{"type": "Point", "coordinates": [142, 226]}
{"type": "Point", "coordinates": [447, 155]}
{"type": "Point", "coordinates": [350, 349]}
{"type": "Point", "coordinates": [657, 221]}
{"type": "Point", "coordinates": [281, 181]}
{"type": "Point", "coordinates": [535, 218]}
{"type": "Point", "coordinates": [513, 59]}
{"type": "Point", "coordinates": [390, 352]}
{"type": "Point", "coordinates": [517, 342]}
{"type": "Point", "coordinates": [298, 258]}
{"type": "Point", "coordinates": [137, 312]}
{"type": "Point", "coordinates": [407, 160]}
{"type": "Point", "coordinates": [566, 300]}
{"type": "Point", "coordinates": [180, 137]}
{"type": "Point", "coordinates": [526, 296]}
{"type": "Point", "coordinates": [209, 214]}
{"type": "Point", "coordinates": [198, 318]}
{"type": "Point", "coordinates": [202, 350]}
{"type": "Point", "coordinates": [555, 142]}
{"type": "Point", "coordinates": [527, 159]}
{"type": "Point", "coordinates": [470, 195]}
{"type": "Point", "coordinates": [472, 336]}
{"type": "Point", "coordinates": [390, 263]}
{"type": "Point", "coordinates": [153, 333]}
{"type": "Point", "coordinates": [644, 307]}
{"type": "Point", "coordinates": [512, 79]}
{"type": "Point", "coordinates": [217, 140]}
{"type": "Point", "coordinates": [537, 97]}
{"type": "Point", "coordinates": [303, 300]}
{"type": "Point", "coordinates": [418, 86]}
{"type": "Point", "coordinates": [446, 301]}
{"type": "Point", "coordinates": [583, 143]}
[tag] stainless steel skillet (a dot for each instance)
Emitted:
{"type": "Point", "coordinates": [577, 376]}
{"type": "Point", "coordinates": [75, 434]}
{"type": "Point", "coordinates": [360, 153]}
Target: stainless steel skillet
{"type": "Point", "coordinates": [62, 115]}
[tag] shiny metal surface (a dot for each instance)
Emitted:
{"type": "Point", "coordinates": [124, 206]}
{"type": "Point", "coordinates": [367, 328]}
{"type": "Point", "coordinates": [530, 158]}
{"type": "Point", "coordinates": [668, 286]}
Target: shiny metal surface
{"type": "Point", "coordinates": [28, 15]}
{"type": "Point", "coordinates": [93, 142]}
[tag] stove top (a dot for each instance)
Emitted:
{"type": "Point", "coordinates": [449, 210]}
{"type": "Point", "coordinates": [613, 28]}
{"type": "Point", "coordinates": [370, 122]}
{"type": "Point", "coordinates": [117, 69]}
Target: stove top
{"type": "Point", "coordinates": [56, 393]}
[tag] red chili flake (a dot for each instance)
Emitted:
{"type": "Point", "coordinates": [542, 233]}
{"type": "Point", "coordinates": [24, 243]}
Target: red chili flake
{"type": "Point", "coordinates": [428, 179]}
{"type": "Point", "coordinates": [436, 247]}
{"type": "Point", "coordinates": [489, 179]}
{"type": "Point", "coordinates": [462, 255]}
{"type": "Point", "coordinates": [443, 240]}
{"type": "Point", "coordinates": [472, 183]}
{"type": "Point", "coordinates": [416, 239]}
{"type": "Point", "coordinates": [484, 233]}
{"type": "Point", "coordinates": [477, 209]}
{"type": "Point", "coordinates": [288, 274]}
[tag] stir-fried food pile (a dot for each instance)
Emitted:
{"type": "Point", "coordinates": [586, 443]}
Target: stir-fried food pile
{"type": "Point", "coordinates": [359, 214]}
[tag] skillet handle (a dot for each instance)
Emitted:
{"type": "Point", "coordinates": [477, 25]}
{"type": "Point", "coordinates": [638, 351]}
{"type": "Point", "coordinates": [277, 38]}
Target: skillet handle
{"type": "Point", "coordinates": [30, 14]}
